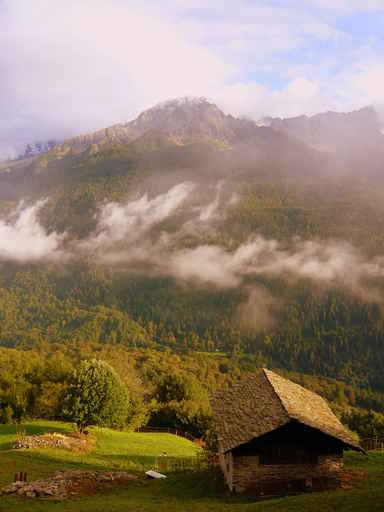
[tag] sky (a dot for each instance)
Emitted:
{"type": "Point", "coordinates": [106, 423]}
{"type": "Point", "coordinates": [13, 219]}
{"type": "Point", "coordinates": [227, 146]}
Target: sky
{"type": "Point", "coordinates": [74, 66]}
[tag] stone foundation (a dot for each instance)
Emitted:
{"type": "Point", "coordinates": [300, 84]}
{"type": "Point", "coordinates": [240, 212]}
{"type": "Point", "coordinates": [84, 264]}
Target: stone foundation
{"type": "Point", "coordinates": [249, 474]}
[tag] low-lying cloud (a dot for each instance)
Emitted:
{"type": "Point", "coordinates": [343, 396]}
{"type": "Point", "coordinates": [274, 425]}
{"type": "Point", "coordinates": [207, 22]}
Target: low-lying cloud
{"type": "Point", "coordinates": [23, 239]}
{"type": "Point", "coordinates": [133, 235]}
{"type": "Point", "coordinates": [258, 311]}
{"type": "Point", "coordinates": [123, 229]}
{"type": "Point", "coordinates": [125, 236]}
{"type": "Point", "coordinates": [210, 211]}
{"type": "Point", "coordinates": [330, 263]}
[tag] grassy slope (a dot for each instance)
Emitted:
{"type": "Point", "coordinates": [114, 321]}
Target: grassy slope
{"type": "Point", "coordinates": [119, 450]}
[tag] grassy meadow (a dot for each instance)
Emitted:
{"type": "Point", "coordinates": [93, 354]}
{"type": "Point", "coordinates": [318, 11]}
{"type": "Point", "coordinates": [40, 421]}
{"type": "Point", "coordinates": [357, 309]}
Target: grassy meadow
{"type": "Point", "coordinates": [137, 452]}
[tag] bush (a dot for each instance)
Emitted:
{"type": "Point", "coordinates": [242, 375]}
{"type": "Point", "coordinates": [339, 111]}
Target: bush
{"type": "Point", "coordinates": [137, 413]}
{"type": "Point", "coordinates": [6, 414]}
{"type": "Point", "coordinates": [48, 402]}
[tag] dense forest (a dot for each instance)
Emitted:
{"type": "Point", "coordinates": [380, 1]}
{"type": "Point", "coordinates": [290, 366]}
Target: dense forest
{"type": "Point", "coordinates": [329, 334]}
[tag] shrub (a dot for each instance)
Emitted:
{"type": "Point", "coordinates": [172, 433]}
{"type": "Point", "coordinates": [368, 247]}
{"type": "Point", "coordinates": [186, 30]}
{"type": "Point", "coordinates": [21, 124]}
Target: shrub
{"type": "Point", "coordinates": [6, 414]}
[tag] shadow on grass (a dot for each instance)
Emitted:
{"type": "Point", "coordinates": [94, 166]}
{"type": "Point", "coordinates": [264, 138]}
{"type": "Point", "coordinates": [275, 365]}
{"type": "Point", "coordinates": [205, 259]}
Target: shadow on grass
{"type": "Point", "coordinates": [205, 491]}
{"type": "Point", "coordinates": [62, 459]}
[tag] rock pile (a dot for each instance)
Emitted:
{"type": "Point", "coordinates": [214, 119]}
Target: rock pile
{"type": "Point", "coordinates": [65, 484]}
{"type": "Point", "coordinates": [52, 440]}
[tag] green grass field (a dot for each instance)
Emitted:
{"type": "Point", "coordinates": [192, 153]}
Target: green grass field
{"type": "Point", "coordinates": [179, 493]}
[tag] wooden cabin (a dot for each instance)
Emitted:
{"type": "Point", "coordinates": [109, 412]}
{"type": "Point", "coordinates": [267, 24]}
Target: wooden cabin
{"type": "Point", "coordinates": [276, 437]}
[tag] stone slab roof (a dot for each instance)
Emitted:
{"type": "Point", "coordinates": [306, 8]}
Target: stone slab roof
{"type": "Point", "coordinates": [265, 402]}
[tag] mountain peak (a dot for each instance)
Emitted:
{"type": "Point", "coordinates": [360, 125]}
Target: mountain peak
{"type": "Point", "coordinates": [188, 107]}
{"type": "Point", "coordinates": [183, 119]}
{"type": "Point", "coordinates": [182, 101]}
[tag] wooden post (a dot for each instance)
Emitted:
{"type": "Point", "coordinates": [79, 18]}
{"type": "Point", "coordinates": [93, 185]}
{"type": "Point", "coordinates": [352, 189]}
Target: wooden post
{"type": "Point", "coordinates": [223, 464]}
{"type": "Point", "coordinates": [230, 471]}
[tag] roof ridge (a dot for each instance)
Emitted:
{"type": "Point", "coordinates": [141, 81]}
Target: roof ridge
{"type": "Point", "coordinates": [265, 402]}
{"type": "Point", "coordinates": [334, 427]}
{"type": "Point", "coordinates": [266, 371]}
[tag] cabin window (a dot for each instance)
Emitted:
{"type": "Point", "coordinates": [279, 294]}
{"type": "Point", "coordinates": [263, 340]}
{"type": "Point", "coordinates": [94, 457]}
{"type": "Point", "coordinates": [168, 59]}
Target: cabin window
{"type": "Point", "coordinates": [286, 455]}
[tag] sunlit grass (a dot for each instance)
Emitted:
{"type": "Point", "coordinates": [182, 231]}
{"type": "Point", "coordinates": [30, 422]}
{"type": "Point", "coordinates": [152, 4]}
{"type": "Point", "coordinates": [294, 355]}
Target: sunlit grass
{"type": "Point", "coordinates": [179, 493]}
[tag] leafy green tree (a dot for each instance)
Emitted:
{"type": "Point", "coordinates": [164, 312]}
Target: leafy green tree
{"type": "Point", "coordinates": [96, 396]}
{"type": "Point", "coordinates": [173, 386]}
{"type": "Point", "coordinates": [180, 402]}
{"type": "Point", "coordinates": [367, 424]}
{"type": "Point", "coordinates": [47, 402]}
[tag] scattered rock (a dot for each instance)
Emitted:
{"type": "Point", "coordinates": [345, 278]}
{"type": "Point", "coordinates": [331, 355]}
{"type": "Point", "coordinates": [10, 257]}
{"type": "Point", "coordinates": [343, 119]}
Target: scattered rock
{"type": "Point", "coordinates": [65, 484]}
{"type": "Point", "coordinates": [53, 440]}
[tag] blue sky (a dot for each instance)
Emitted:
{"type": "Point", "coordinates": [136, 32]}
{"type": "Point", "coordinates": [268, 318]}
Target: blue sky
{"type": "Point", "coordinates": [71, 66]}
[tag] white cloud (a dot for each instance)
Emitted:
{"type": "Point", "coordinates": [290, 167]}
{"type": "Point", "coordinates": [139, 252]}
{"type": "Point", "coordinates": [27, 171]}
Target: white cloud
{"type": "Point", "coordinates": [87, 64]}
{"type": "Point", "coordinates": [331, 264]}
{"type": "Point", "coordinates": [302, 88]}
{"type": "Point", "coordinates": [210, 211]}
{"type": "Point", "coordinates": [299, 96]}
{"type": "Point", "coordinates": [130, 224]}
{"type": "Point", "coordinates": [369, 82]}
{"type": "Point", "coordinates": [23, 239]}
{"type": "Point", "coordinates": [351, 88]}
{"type": "Point", "coordinates": [125, 238]}
{"type": "Point", "coordinates": [71, 66]}
{"type": "Point", "coordinates": [347, 5]}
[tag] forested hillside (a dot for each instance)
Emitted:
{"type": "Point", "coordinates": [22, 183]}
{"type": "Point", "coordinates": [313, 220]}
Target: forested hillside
{"type": "Point", "coordinates": [196, 232]}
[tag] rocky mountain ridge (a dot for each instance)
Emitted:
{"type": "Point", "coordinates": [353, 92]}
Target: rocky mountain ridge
{"type": "Point", "coordinates": [187, 119]}
{"type": "Point", "coordinates": [332, 129]}
{"type": "Point", "coordinates": [181, 119]}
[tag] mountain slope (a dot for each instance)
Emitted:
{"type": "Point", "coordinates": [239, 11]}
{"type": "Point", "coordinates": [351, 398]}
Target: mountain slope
{"type": "Point", "coordinates": [194, 230]}
{"type": "Point", "coordinates": [192, 135]}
